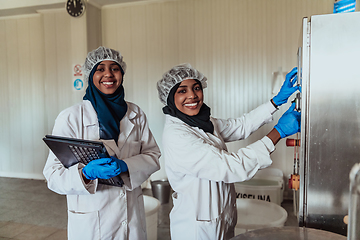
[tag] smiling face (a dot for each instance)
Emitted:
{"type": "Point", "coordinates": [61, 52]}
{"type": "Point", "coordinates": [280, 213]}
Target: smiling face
{"type": "Point", "coordinates": [107, 77]}
{"type": "Point", "coordinates": [188, 97]}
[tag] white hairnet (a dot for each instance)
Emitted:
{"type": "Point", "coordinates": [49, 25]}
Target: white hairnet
{"type": "Point", "coordinates": [101, 54]}
{"type": "Point", "coordinates": [176, 75]}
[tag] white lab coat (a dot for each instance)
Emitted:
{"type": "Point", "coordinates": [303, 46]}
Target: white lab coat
{"type": "Point", "coordinates": [201, 172]}
{"type": "Point", "coordinates": [97, 211]}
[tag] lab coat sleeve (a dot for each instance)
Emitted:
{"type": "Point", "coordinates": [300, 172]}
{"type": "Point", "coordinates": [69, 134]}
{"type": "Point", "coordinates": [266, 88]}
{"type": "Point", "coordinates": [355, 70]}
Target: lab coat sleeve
{"type": "Point", "coordinates": [146, 162]}
{"type": "Point", "coordinates": [244, 126]}
{"type": "Point", "coordinates": [63, 180]}
{"type": "Point", "coordinates": [188, 154]}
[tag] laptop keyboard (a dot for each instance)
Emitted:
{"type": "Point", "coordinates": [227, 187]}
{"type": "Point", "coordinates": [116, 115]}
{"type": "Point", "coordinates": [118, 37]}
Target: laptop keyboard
{"type": "Point", "coordinates": [85, 155]}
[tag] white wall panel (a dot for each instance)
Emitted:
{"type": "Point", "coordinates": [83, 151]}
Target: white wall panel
{"type": "Point", "coordinates": [22, 91]}
{"type": "Point", "coordinates": [14, 112]}
{"type": "Point", "coordinates": [170, 36]}
{"type": "Point", "coordinates": [138, 80]}
{"type": "Point", "coordinates": [4, 100]}
{"type": "Point", "coordinates": [39, 52]}
{"type": "Point", "coordinates": [36, 78]}
{"type": "Point", "coordinates": [186, 31]}
{"type": "Point", "coordinates": [65, 45]}
{"type": "Point", "coordinates": [50, 71]}
{"type": "Point", "coordinates": [25, 158]}
{"type": "Point", "coordinates": [58, 70]}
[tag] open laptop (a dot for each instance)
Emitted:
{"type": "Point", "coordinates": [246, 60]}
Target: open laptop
{"type": "Point", "coordinates": [70, 151]}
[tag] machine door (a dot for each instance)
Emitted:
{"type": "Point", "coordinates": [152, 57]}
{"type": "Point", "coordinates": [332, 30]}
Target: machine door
{"type": "Point", "coordinates": [330, 137]}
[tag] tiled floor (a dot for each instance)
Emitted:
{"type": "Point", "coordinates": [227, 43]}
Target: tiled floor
{"type": "Point", "coordinates": [30, 211]}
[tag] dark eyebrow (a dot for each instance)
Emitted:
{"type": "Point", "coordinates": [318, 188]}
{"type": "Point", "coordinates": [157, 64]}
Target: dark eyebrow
{"type": "Point", "coordinates": [192, 85]}
{"type": "Point", "coordinates": [110, 64]}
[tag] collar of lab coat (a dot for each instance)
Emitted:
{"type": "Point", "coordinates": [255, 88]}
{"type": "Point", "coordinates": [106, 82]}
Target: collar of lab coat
{"type": "Point", "coordinates": [126, 125]}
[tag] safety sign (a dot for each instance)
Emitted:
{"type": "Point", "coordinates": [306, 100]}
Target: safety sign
{"type": "Point", "coordinates": [77, 81]}
{"type": "Point", "coordinates": [78, 84]}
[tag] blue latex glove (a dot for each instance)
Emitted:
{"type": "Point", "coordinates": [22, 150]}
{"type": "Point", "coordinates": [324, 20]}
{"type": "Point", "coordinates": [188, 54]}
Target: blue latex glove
{"type": "Point", "coordinates": [289, 123]}
{"type": "Point", "coordinates": [104, 168]}
{"type": "Point", "coordinates": [288, 88]}
{"type": "Point", "coordinates": [120, 164]}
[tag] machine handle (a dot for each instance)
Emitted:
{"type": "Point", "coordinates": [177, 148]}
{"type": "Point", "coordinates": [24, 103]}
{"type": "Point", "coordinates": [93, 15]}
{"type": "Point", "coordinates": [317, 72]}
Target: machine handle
{"type": "Point", "coordinates": [292, 142]}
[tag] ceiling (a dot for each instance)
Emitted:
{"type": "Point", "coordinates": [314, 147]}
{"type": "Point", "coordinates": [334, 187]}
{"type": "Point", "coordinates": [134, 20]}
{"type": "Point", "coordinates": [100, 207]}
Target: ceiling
{"type": "Point", "coordinates": [20, 7]}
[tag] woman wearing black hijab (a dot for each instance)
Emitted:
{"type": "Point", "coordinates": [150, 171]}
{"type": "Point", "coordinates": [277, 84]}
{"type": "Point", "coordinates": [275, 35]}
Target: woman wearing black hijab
{"type": "Point", "coordinates": [200, 169]}
{"type": "Point", "coordinates": [98, 211]}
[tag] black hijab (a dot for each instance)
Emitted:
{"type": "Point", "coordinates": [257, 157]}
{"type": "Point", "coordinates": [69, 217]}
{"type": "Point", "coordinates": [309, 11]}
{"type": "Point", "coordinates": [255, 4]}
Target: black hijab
{"type": "Point", "coordinates": [110, 108]}
{"type": "Point", "coordinates": [201, 120]}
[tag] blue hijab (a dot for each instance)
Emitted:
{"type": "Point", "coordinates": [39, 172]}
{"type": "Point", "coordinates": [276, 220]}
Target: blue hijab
{"type": "Point", "coordinates": [110, 108]}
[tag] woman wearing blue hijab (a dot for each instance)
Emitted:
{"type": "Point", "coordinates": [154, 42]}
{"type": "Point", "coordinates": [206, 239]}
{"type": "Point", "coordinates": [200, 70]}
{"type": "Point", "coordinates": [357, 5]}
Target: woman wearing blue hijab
{"type": "Point", "coordinates": [98, 211]}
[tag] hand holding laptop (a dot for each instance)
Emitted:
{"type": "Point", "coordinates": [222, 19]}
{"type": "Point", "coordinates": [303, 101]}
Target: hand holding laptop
{"type": "Point", "coordinates": [71, 151]}
{"type": "Point", "coordinates": [104, 168]}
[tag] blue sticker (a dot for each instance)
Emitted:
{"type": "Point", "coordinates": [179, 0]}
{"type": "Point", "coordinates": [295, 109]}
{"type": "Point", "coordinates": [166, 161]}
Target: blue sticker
{"type": "Point", "coordinates": [342, 6]}
{"type": "Point", "coordinates": [78, 84]}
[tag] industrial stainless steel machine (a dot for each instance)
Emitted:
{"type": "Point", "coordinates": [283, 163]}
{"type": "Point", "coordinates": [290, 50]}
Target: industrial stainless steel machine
{"type": "Point", "coordinates": [329, 73]}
